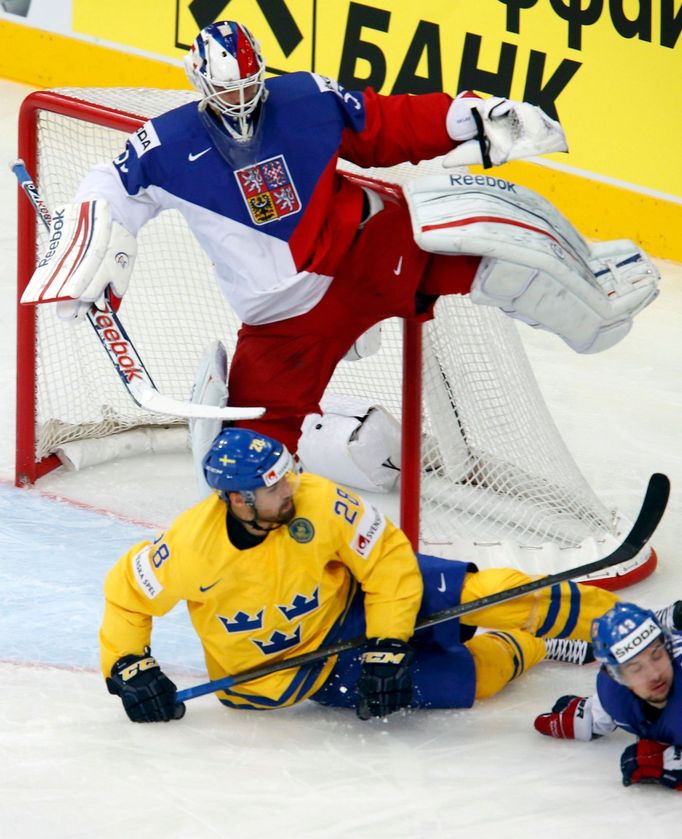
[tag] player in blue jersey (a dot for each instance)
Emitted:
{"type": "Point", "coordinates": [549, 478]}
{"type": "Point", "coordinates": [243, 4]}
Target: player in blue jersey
{"type": "Point", "coordinates": [273, 565]}
{"type": "Point", "coordinates": [310, 258]}
{"type": "Point", "coordinates": [639, 689]}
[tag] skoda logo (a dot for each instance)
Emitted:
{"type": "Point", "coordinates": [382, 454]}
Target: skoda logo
{"type": "Point", "coordinates": [301, 530]}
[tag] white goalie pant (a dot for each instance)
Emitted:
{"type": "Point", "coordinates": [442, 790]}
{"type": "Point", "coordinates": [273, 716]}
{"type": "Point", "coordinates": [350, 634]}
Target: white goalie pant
{"type": "Point", "coordinates": [352, 442]}
{"type": "Point", "coordinates": [535, 265]}
{"type": "Point", "coordinates": [210, 388]}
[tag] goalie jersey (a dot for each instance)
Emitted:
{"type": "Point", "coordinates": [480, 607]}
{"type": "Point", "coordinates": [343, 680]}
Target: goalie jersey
{"type": "Point", "coordinates": [273, 214]}
{"type": "Point", "coordinates": [286, 596]}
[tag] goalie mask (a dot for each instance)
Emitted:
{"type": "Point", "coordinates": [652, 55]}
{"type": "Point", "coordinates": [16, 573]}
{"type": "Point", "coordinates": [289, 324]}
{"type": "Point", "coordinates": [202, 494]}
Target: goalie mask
{"type": "Point", "coordinates": [226, 66]}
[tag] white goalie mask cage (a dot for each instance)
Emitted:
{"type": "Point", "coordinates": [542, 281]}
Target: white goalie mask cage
{"type": "Point", "coordinates": [225, 58]}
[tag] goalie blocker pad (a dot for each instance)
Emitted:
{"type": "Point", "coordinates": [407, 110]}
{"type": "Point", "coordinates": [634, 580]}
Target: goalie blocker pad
{"type": "Point", "coordinates": [536, 267]}
{"type": "Point", "coordinates": [86, 252]}
{"type": "Point", "coordinates": [352, 442]}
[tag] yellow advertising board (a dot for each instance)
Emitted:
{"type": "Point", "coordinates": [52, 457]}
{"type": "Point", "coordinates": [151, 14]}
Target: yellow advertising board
{"type": "Point", "coordinates": [611, 70]}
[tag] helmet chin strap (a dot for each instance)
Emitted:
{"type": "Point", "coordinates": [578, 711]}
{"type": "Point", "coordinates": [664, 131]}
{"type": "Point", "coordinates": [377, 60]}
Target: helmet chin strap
{"type": "Point", "coordinates": [250, 500]}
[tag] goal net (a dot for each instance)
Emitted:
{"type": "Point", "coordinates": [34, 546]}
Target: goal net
{"type": "Point", "coordinates": [493, 481]}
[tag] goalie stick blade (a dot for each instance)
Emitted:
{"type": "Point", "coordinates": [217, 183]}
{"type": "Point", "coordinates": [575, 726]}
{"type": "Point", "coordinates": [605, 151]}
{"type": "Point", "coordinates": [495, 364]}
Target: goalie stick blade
{"type": "Point", "coordinates": [650, 514]}
{"type": "Point", "coordinates": [149, 398]}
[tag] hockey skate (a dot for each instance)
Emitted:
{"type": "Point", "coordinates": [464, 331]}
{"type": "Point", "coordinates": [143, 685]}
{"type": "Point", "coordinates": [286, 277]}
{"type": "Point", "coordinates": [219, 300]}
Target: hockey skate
{"type": "Point", "coordinates": [670, 617]}
{"type": "Point", "coordinates": [569, 652]}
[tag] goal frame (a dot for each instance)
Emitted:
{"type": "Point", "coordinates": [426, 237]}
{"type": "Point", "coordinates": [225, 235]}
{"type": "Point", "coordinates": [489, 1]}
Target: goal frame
{"type": "Point", "coordinates": [27, 469]}
{"type": "Point", "coordinates": [35, 460]}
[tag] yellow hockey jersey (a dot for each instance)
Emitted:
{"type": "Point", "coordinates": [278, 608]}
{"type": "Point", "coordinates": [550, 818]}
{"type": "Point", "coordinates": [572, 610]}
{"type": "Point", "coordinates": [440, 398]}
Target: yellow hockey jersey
{"type": "Point", "coordinates": [278, 599]}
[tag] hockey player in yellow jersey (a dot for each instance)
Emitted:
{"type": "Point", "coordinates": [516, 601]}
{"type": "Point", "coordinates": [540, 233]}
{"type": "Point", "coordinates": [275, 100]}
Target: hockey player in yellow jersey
{"type": "Point", "coordinates": [274, 564]}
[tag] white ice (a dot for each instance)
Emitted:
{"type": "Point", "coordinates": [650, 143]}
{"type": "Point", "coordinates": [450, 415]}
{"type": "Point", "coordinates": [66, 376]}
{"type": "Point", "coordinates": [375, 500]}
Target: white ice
{"type": "Point", "coordinates": [73, 766]}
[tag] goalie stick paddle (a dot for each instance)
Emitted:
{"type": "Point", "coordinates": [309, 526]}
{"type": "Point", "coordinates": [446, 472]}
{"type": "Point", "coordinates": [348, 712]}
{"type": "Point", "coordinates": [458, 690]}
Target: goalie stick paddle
{"type": "Point", "coordinates": [121, 350]}
{"type": "Point", "coordinates": [650, 514]}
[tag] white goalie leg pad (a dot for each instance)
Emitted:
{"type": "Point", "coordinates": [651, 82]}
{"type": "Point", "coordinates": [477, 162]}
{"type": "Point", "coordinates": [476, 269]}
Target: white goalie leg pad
{"type": "Point", "coordinates": [359, 450]}
{"type": "Point", "coordinates": [210, 388]}
{"type": "Point", "coordinates": [621, 269]}
{"type": "Point", "coordinates": [87, 252]}
{"type": "Point", "coordinates": [540, 301]}
{"type": "Point", "coordinates": [536, 266]}
{"type": "Point", "coordinates": [367, 344]}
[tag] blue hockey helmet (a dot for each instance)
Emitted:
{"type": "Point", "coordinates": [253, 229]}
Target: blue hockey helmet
{"type": "Point", "coordinates": [240, 460]}
{"type": "Point", "coordinates": [225, 58]}
{"type": "Point", "coordinates": [622, 633]}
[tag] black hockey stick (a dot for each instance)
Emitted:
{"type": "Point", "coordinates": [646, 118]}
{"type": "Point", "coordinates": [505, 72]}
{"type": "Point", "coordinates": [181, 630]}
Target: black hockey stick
{"type": "Point", "coordinates": [120, 348]}
{"type": "Point", "coordinates": [642, 530]}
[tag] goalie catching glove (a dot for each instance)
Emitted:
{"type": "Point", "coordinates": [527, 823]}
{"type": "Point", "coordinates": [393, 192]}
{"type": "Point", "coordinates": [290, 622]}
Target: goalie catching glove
{"type": "Point", "coordinates": [147, 694]}
{"type": "Point", "coordinates": [492, 131]}
{"type": "Point", "coordinates": [88, 253]}
{"type": "Point", "coordinates": [385, 683]}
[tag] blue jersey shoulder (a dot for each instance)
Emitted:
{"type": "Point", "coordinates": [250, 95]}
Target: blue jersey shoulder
{"type": "Point", "coordinates": [179, 124]}
{"type": "Point", "coordinates": [159, 145]}
{"type": "Point", "coordinates": [319, 95]}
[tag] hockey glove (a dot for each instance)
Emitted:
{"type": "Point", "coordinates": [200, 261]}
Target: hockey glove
{"type": "Point", "coordinates": [492, 131]}
{"type": "Point", "coordinates": [570, 719]}
{"type": "Point", "coordinates": [649, 762]}
{"type": "Point", "coordinates": [385, 683]}
{"type": "Point", "coordinates": [147, 695]}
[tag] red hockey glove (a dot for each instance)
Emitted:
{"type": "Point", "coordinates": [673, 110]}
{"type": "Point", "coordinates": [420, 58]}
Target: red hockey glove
{"type": "Point", "coordinates": [569, 719]}
{"type": "Point", "coordinates": [649, 762]}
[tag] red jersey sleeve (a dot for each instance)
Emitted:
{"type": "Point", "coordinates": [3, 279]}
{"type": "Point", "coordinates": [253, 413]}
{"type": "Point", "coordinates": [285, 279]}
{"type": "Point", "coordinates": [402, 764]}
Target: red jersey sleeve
{"type": "Point", "coordinates": [399, 128]}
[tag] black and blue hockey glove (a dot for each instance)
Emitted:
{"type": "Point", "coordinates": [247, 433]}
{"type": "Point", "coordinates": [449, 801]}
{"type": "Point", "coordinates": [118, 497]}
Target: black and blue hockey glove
{"type": "Point", "coordinates": [385, 683]}
{"type": "Point", "coordinates": [147, 694]}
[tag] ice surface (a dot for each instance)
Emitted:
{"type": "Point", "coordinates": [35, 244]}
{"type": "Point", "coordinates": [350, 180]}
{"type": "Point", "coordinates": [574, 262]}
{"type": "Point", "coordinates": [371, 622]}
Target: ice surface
{"type": "Point", "coordinates": [73, 766]}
